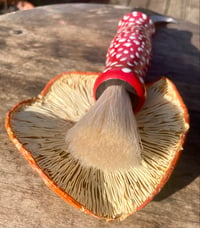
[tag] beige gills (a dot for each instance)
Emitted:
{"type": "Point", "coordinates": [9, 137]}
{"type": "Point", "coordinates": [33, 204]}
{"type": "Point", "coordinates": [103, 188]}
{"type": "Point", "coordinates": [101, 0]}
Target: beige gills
{"type": "Point", "coordinates": [100, 182]}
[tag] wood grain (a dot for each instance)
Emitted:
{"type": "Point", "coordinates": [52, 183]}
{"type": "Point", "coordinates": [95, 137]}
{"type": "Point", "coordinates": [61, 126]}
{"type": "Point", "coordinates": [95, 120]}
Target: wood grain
{"type": "Point", "coordinates": [39, 44]}
{"type": "Point", "coordinates": [181, 9]}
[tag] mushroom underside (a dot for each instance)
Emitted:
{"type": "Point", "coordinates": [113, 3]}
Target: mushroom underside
{"type": "Point", "coordinates": [41, 126]}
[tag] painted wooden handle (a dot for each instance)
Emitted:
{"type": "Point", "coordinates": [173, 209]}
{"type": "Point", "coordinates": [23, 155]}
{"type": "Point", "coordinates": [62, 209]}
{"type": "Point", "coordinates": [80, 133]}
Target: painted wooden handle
{"type": "Point", "coordinates": [131, 47]}
{"type": "Point", "coordinates": [128, 57]}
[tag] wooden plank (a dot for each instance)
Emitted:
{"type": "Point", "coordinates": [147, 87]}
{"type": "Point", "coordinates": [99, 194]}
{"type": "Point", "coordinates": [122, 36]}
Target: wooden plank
{"type": "Point", "coordinates": [136, 3]}
{"type": "Point", "coordinates": [158, 6]}
{"type": "Point", "coordinates": [177, 8]}
{"type": "Point", "coordinates": [193, 11]}
{"type": "Point", "coordinates": [119, 2]}
{"type": "Point", "coordinates": [182, 9]}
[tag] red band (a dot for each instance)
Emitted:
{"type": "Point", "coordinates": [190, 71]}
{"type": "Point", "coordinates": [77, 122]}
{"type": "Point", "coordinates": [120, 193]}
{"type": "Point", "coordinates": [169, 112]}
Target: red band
{"type": "Point", "coordinates": [121, 76]}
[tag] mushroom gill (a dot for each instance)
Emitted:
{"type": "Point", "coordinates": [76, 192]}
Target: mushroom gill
{"type": "Point", "coordinates": [40, 126]}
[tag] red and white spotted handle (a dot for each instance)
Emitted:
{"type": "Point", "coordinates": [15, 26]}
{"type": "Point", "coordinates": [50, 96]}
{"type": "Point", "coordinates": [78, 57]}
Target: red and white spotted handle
{"type": "Point", "coordinates": [128, 57]}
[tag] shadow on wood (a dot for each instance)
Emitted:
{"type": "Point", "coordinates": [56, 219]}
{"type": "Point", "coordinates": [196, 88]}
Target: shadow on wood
{"type": "Point", "coordinates": [181, 66]}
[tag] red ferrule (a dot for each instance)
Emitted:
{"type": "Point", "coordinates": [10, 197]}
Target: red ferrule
{"type": "Point", "coordinates": [125, 77]}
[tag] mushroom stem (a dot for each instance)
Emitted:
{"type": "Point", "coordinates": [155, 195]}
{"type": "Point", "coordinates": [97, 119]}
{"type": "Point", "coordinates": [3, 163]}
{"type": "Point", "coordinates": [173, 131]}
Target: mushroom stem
{"type": "Point", "coordinates": [107, 137]}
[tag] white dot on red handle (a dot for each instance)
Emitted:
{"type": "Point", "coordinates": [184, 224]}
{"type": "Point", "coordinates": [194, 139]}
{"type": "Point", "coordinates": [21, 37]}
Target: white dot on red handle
{"type": "Point", "coordinates": [127, 44]}
{"type": "Point", "coordinates": [143, 58]}
{"type": "Point", "coordinates": [130, 64]}
{"type": "Point", "coordinates": [126, 70]}
{"type": "Point", "coordinates": [119, 65]}
{"type": "Point", "coordinates": [108, 68]}
{"type": "Point", "coordinates": [118, 55]}
{"type": "Point", "coordinates": [117, 45]}
{"type": "Point", "coordinates": [135, 14]}
{"type": "Point", "coordinates": [113, 63]}
{"type": "Point", "coordinates": [137, 54]}
{"type": "Point", "coordinates": [126, 17]}
{"type": "Point", "coordinates": [141, 80]}
{"type": "Point", "coordinates": [122, 40]}
{"type": "Point", "coordinates": [123, 59]}
{"type": "Point", "coordinates": [144, 16]}
{"type": "Point", "coordinates": [136, 42]}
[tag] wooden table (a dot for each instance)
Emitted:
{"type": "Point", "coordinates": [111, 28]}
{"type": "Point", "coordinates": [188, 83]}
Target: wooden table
{"type": "Point", "coordinates": [37, 45]}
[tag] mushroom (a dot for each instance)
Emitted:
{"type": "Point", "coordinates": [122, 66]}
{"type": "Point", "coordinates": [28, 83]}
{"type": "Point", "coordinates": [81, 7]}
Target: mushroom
{"type": "Point", "coordinates": [38, 128]}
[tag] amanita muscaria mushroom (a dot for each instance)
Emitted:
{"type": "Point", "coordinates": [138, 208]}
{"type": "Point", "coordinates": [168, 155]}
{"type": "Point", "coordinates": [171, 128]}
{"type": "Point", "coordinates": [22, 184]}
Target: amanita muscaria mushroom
{"type": "Point", "coordinates": [38, 128]}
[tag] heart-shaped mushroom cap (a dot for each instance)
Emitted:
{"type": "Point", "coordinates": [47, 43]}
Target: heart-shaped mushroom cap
{"type": "Point", "coordinates": [38, 127]}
